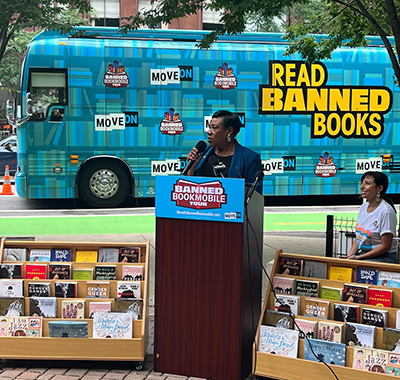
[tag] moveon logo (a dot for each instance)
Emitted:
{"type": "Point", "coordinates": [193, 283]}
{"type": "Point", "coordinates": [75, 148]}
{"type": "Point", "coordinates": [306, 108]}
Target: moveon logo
{"type": "Point", "coordinates": [198, 196]}
{"type": "Point", "coordinates": [348, 111]}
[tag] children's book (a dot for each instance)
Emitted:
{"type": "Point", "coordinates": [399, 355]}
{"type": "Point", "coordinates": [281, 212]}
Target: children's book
{"type": "Point", "coordinates": [60, 254]}
{"type": "Point", "coordinates": [45, 307]}
{"type": "Point", "coordinates": [86, 256]}
{"type": "Point", "coordinates": [129, 255]}
{"type": "Point", "coordinates": [340, 274]}
{"type": "Point", "coordinates": [287, 303]}
{"type": "Point", "coordinates": [60, 271]}
{"type": "Point", "coordinates": [133, 306]}
{"type": "Point", "coordinates": [379, 297]}
{"type": "Point", "coordinates": [12, 306]}
{"type": "Point", "coordinates": [318, 308]}
{"type": "Point", "coordinates": [370, 359]}
{"type": "Point", "coordinates": [325, 351]}
{"type": "Point", "coordinates": [38, 289]}
{"type": "Point", "coordinates": [291, 266]}
{"type": "Point", "coordinates": [68, 329]}
{"type": "Point", "coordinates": [34, 271]}
{"type": "Point", "coordinates": [40, 255]}
{"type": "Point", "coordinates": [30, 327]}
{"type": "Point", "coordinates": [73, 309]}
{"type": "Point", "coordinates": [357, 334]}
{"type": "Point", "coordinates": [113, 325]}
{"type": "Point", "coordinates": [11, 288]}
{"type": "Point", "coordinates": [277, 319]}
{"type": "Point", "coordinates": [391, 279]}
{"type": "Point", "coordinates": [11, 271]}
{"type": "Point", "coordinates": [97, 306]}
{"type": "Point", "coordinates": [283, 285]}
{"type": "Point", "coordinates": [105, 272]}
{"type": "Point", "coordinates": [315, 269]}
{"type": "Point", "coordinates": [367, 276]}
{"type": "Point", "coordinates": [306, 328]}
{"type": "Point", "coordinates": [14, 254]}
{"type": "Point", "coordinates": [66, 289]}
{"type": "Point", "coordinates": [330, 331]}
{"type": "Point", "coordinates": [330, 293]}
{"type": "Point", "coordinates": [307, 288]}
{"type": "Point", "coordinates": [374, 317]}
{"type": "Point", "coordinates": [278, 341]}
{"type": "Point", "coordinates": [108, 255]}
{"type": "Point", "coordinates": [132, 272]}
{"type": "Point", "coordinates": [355, 293]}
{"type": "Point", "coordinates": [346, 312]}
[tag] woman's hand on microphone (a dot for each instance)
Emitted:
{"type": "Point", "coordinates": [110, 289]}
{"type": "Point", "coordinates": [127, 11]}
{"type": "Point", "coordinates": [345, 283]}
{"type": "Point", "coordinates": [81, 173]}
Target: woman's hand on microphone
{"type": "Point", "coordinates": [194, 156]}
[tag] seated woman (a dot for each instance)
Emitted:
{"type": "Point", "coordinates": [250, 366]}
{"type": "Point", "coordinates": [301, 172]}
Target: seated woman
{"type": "Point", "coordinates": [225, 157]}
{"type": "Point", "coordinates": [376, 222]}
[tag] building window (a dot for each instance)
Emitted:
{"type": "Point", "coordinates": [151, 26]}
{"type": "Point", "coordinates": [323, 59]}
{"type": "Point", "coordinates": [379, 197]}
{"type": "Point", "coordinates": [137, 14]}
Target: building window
{"type": "Point", "coordinates": [106, 12]}
{"type": "Point", "coordinates": [211, 20]}
{"type": "Point", "coordinates": [144, 6]}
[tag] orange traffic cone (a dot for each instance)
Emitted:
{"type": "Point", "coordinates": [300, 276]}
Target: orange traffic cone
{"type": "Point", "coordinates": [7, 183]}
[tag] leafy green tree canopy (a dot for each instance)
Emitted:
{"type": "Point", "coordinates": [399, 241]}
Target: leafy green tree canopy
{"type": "Point", "coordinates": [346, 22]}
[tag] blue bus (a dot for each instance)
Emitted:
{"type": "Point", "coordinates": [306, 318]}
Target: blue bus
{"type": "Point", "coordinates": [100, 114]}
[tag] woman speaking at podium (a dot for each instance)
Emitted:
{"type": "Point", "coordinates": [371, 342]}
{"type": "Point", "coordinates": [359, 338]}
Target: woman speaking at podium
{"type": "Point", "coordinates": [224, 157]}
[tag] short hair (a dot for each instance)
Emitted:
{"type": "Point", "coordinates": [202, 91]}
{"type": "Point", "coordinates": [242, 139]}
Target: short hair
{"type": "Point", "coordinates": [229, 120]}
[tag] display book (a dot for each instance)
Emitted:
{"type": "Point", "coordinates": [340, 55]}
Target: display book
{"type": "Point", "coordinates": [126, 317]}
{"type": "Point", "coordinates": [368, 320]}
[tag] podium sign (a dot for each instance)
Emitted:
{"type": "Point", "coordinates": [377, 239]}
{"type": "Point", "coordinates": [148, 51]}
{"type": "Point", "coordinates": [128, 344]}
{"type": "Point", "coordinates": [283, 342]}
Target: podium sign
{"type": "Point", "coordinates": [200, 198]}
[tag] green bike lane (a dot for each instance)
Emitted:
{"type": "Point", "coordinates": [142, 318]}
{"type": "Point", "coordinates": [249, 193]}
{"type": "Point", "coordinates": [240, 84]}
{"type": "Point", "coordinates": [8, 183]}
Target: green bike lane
{"type": "Point", "coordinates": [126, 224]}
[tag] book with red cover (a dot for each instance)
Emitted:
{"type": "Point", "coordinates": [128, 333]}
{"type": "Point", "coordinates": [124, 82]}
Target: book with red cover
{"type": "Point", "coordinates": [379, 297]}
{"type": "Point", "coordinates": [35, 271]}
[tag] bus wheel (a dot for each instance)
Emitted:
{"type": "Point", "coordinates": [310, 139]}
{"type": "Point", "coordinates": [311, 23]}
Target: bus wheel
{"type": "Point", "coordinates": [104, 184]}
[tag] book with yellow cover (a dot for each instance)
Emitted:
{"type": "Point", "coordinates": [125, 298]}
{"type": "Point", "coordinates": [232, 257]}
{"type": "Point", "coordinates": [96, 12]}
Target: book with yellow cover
{"type": "Point", "coordinates": [86, 256]}
{"type": "Point", "coordinates": [341, 274]}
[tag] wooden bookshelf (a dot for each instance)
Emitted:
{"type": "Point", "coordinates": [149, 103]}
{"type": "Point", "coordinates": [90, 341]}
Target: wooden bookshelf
{"type": "Point", "coordinates": [51, 348]}
{"type": "Point", "coordinates": [279, 367]}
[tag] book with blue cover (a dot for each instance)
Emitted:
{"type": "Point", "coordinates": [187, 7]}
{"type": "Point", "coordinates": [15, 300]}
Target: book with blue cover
{"type": "Point", "coordinates": [60, 254]}
{"type": "Point", "coordinates": [68, 329]}
{"type": "Point", "coordinates": [391, 279]}
{"type": "Point", "coordinates": [367, 276]}
{"type": "Point", "coordinates": [327, 352]}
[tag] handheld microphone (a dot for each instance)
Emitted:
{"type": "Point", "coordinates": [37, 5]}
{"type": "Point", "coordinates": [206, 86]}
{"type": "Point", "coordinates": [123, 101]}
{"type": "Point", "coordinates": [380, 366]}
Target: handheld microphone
{"type": "Point", "coordinates": [201, 147]}
{"type": "Point", "coordinates": [217, 167]}
{"type": "Point", "coordinates": [259, 177]}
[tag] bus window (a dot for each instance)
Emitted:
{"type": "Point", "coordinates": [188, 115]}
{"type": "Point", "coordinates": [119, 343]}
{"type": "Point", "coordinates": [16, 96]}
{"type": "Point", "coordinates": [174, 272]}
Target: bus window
{"type": "Point", "coordinates": [46, 88]}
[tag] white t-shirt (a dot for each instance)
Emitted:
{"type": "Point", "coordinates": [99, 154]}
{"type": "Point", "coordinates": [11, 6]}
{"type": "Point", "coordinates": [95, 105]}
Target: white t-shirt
{"type": "Point", "coordinates": [372, 225]}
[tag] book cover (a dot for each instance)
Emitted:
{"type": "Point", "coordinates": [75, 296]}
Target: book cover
{"type": "Point", "coordinates": [40, 255]}
{"type": "Point", "coordinates": [82, 274]}
{"type": "Point", "coordinates": [379, 297]}
{"type": "Point", "coordinates": [73, 309]}
{"type": "Point", "coordinates": [345, 312]}
{"type": "Point", "coordinates": [398, 319]}
{"type": "Point", "coordinates": [306, 328]}
{"type": "Point", "coordinates": [60, 271]}
{"type": "Point", "coordinates": [133, 306]}
{"type": "Point", "coordinates": [105, 272]}
{"type": "Point", "coordinates": [291, 266]}
{"type": "Point", "coordinates": [113, 325]}
{"type": "Point", "coordinates": [391, 279]}
{"type": "Point", "coordinates": [60, 254]}
{"type": "Point", "coordinates": [391, 339]}
{"type": "Point", "coordinates": [286, 303]}
{"type": "Point", "coordinates": [132, 272]}
{"type": "Point", "coordinates": [326, 352]}
{"type": "Point", "coordinates": [65, 289]}
{"type": "Point", "coordinates": [370, 359]}
{"type": "Point", "coordinates": [38, 289]}
{"type": "Point", "coordinates": [315, 269]}
{"type": "Point", "coordinates": [274, 340]}
{"type": "Point", "coordinates": [367, 276]}
{"type": "Point", "coordinates": [99, 289]}
{"type": "Point", "coordinates": [316, 308]}
{"type": "Point", "coordinates": [45, 307]}
{"type": "Point", "coordinates": [86, 256]}
{"type": "Point", "coordinates": [357, 334]}
{"type": "Point", "coordinates": [108, 255]}
{"type": "Point", "coordinates": [36, 271]}
{"type": "Point", "coordinates": [14, 254]}
{"type": "Point", "coordinates": [283, 285]}
{"type": "Point", "coordinates": [68, 329]}
{"type": "Point", "coordinates": [329, 293]}
{"type": "Point", "coordinates": [340, 274]}
{"type": "Point", "coordinates": [307, 288]}
{"type": "Point", "coordinates": [12, 307]}
{"type": "Point", "coordinates": [355, 293]}
{"type": "Point", "coordinates": [330, 331]}
{"type": "Point", "coordinates": [129, 255]}
{"type": "Point", "coordinates": [11, 288]}
{"type": "Point", "coordinates": [128, 289]}
{"type": "Point", "coordinates": [30, 327]}
{"type": "Point", "coordinates": [11, 271]}
{"type": "Point", "coordinates": [277, 319]}
{"type": "Point", "coordinates": [393, 366]}
{"type": "Point", "coordinates": [96, 307]}
{"type": "Point", "coordinates": [374, 317]}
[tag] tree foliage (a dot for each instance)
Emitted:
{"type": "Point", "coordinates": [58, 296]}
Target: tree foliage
{"type": "Point", "coordinates": [346, 22]}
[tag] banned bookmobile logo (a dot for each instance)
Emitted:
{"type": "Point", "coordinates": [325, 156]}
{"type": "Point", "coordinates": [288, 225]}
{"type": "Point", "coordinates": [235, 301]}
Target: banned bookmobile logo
{"type": "Point", "coordinates": [198, 196]}
{"type": "Point", "coordinates": [346, 111]}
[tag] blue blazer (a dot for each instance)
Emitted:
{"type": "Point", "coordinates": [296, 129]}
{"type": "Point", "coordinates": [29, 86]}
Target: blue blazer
{"type": "Point", "coordinates": [245, 164]}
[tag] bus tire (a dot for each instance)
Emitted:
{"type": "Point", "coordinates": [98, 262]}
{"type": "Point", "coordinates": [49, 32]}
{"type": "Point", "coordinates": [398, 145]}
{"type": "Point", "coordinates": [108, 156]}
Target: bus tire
{"type": "Point", "coordinates": [104, 184]}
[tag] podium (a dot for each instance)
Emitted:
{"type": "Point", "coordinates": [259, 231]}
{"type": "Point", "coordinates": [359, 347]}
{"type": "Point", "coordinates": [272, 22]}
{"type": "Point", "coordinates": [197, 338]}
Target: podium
{"type": "Point", "coordinates": [207, 277]}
